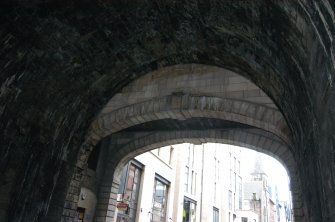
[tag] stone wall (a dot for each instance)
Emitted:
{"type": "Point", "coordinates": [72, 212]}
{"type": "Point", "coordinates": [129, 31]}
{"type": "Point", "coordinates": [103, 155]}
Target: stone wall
{"type": "Point", "coordinates": [61, 62]}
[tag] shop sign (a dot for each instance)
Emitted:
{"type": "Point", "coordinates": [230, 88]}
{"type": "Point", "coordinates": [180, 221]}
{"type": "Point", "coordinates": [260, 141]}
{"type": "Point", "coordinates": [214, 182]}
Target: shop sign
{"type": "Point", "coordinates": [122, 206]}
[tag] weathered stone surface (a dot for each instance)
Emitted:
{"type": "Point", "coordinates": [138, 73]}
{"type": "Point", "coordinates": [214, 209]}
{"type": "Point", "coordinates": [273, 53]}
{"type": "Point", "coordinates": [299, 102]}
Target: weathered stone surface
{"type": "Point", "coordinates": [62, 61]}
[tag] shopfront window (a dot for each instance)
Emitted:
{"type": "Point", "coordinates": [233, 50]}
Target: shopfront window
{"type": "Point", "coordinates": [160, 196]}
{"type": "Point", "coordinates": [129, 191]}
{"type": "Point", "coordinates": [189, 211]}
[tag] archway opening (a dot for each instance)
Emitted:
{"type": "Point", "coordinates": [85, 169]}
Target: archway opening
{"type": "Point", "coordinates": [185, 103]}
{"type": "Point", "coordinates": [206, 182]}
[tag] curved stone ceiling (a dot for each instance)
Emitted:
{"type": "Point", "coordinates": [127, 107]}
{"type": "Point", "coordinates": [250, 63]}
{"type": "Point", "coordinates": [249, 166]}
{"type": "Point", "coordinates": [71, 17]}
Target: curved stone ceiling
{"type": "Point", "coordinates": [194, 92]}
{"type": "Point", "coordinates": [205, 88]}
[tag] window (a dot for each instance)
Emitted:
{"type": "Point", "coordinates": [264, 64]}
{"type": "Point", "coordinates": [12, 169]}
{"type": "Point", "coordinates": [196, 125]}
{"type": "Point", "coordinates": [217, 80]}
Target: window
{"type": "Point", "coordinates": [216, 177]}
{"type": "Point", "coordinates": [235, 182]}
{"type": "Point", "coordinates": [215, 214]}
{"type": "Point", "coordinates": [244, 219]}
{"type": "Point", "coordinates": [193, 182]}
{"type": "Point", "coordinates": [188, 154]}
{"type": "Point", "coordinates": [234, 202]}
{"type": "Point", "coordinates": [194, 190]}
{"type": "Point", "coordinates": [230, 194]}
{"type": "Point", "coordinates": [192, 157]}
{"type": "Point", "coordinates": [240, 193]}
{"type": "Point", "coordinates": [214, 192]}
{"type": "Point", "coordinates": [129, 188]}
{"type": "Point", "coordinates": [186, 178]}
{"type": "Point", "coordinates": [218, 171]}
{"type": "Point", "coordinates": [215, 167]}
{"type": "Point", "coordinates": [234, 164]}
{"type": "Point", "coordinates": [190, 173]}
{"type": "Point", "coordinates": [192, 177]}
{"type": "Point", "coordinates": [189, 210]}
{"type": "Point", "coordinates": [230, 179]}
{"type": "Point", "coordinates": [160, 195]}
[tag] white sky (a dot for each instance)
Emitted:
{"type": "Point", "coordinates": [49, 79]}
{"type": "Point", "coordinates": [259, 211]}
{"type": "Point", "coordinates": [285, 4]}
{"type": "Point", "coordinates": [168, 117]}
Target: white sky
{"type": "Point", "coordinates": [277, 174]}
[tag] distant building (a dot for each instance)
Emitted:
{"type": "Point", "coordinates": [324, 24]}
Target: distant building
{"type": "Point", "coordinates": [284, 211]}
{"type": "Point", "coordinates": [256, 193]}
{"type": "Point", "coordinates": [189, 183]}
{"type": "Point", "coordinates": [246, 216]}
{"type": "Point", "coordinates": [188, 174]}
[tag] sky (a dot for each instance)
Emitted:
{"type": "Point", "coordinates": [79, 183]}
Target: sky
{"type": "Point", "coordinates": [276, 172]}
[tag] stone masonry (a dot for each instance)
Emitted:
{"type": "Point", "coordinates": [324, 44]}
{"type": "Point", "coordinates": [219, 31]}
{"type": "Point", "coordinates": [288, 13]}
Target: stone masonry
{"type": "Point", "coordinates": [65, 65]}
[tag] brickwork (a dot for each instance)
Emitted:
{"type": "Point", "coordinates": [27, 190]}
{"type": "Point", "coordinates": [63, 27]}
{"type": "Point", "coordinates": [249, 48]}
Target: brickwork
{"type": "Point", "coordinates": [71, 200]}
{"type": "Point", "coordinates": [105, 210]}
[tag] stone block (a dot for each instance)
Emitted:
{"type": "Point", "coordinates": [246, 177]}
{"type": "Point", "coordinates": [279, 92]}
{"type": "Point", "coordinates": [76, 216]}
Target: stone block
{"type": "Point", "coordinates": [99, 219]}
{"type": "Point", "coordinates": [101, 213]}
{"type": "Point", "coordinates": [251, 93]}
{"type": "Point", "coordinates": [234, 94]}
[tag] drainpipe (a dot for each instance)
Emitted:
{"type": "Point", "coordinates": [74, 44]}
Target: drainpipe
{"type": "Point", "coordinates": [202, 181]}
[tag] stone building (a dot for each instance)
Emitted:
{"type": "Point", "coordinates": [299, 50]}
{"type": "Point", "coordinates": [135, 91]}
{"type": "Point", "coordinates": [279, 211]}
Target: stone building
{"type": "Point", "coordinates": [208, 179]}
{"type": "Point", "coordinates": [146, 74]}
{"type": "Point", "coordinates": [147, 187]}
{"type": "Point", "coordinates": [201, 183]}
{"type": "Point", "coordinates": [258, 194]}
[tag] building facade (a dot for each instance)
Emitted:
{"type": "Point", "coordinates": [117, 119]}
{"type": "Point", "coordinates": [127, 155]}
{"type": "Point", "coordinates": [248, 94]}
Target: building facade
{"type": "Point", "coordinates": [182, 183]}
{"type": "Point", "coordinates": [147, 185]}
{"type": "Point", "coordinates": [260, 197]}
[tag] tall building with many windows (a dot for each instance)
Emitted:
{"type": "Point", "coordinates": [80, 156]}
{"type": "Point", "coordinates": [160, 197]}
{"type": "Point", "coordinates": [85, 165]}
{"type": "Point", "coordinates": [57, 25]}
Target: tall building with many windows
{"type": "Point", "coordinates": [182, 183]}
{"type": "Point", "coordinates": [187, 196]}
{"type": "Point", "coordinates": [147, 183]}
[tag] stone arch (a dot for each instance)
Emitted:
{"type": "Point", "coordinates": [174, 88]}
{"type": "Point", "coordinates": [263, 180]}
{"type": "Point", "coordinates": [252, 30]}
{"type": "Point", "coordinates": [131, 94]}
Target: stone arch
{"type": "Point", "coordinates": [183, 107]}
{"type": "Point", "coordinates": [155, 96]}
{"type": "Point", "coordinates": [255, 139]}
{"type": "Point", "coordinates": [123, 112]}
{"type": "Point", "coordinates": [286, 47]}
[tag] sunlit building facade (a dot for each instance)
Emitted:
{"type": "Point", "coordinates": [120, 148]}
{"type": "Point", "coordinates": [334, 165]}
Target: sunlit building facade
{"type": "Point", "coordinates": [182, 183]}
{"type": "Point", "coordinates": [147, 187]}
